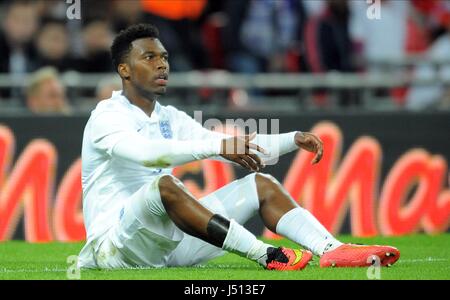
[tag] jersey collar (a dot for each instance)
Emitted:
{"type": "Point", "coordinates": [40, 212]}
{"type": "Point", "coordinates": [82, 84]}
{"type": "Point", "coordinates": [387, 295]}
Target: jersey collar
{"type": "Point", "coordinates": [154, 118]}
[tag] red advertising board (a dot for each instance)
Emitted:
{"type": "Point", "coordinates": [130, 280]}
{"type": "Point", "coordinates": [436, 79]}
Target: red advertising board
{"type": "Point", "coordinates": [384, 185]}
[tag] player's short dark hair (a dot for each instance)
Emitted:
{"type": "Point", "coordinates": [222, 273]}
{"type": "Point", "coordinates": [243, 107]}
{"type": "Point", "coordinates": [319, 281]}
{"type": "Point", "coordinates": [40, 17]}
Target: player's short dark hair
{"type": "Point", "coordinates": [121, 45]}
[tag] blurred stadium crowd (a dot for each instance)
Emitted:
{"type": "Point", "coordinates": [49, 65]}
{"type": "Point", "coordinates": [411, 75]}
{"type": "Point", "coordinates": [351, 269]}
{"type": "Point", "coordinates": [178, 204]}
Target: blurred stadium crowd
{"type": "Point", "coordinates": [38, 43]}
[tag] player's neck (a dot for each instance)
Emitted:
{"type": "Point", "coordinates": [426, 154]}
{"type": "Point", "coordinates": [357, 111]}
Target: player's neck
{"type": "Point", "coordinates": [146, 103]}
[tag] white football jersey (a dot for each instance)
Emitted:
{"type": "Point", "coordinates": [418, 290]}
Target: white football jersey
{"type": "Point", "coordinates": [109, 181]}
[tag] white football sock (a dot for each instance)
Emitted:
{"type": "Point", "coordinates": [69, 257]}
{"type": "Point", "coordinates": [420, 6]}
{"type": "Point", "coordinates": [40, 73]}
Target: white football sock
{"type": "Point", "coordinates": [242, 242]}
{"type": "Point", "coordinates": [300, 226]}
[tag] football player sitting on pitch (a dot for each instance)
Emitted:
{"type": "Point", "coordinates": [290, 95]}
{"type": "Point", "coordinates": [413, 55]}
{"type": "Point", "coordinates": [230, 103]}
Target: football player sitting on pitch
{"type": "Point", "coordinates": [138, 215]}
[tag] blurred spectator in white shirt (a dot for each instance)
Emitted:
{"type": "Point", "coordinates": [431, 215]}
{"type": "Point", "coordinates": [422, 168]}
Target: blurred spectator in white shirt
{"type": "Point", "coordinates": [381, 39]}
{"type": "Point", "coordinates": [314, 7]}
{"type": "Point", "coordinates": [434, 95]}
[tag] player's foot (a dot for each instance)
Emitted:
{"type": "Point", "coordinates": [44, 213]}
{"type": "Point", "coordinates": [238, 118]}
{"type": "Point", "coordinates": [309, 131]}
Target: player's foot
{"type": "Point", "coordinates": [351, 255]}
{"type": "Point", "coordinates": [285, 259]}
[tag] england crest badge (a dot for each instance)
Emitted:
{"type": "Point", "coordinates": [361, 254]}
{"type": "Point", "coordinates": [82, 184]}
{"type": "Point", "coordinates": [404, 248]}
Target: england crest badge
{"type": "Point", "coordinates": [166, 131]}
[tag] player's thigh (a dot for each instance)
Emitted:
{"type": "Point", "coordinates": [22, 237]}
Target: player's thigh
{"type": "Point", "coordinates": [237, 200]}
{"type": "Point", "coordinates": [144, 234]}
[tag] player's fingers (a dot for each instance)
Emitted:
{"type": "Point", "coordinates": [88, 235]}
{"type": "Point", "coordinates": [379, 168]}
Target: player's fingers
{"type": "Point", "coordinates": [243, 163]}
{"type": "Point", "coordinates": [318, 142]}
{"type": "Point", "coordinates": [257, 159]}
{"type": "Point", "coordinates": [252, 163]}
{"type": "Point", "coordinates": [319, 155]}
{"type": "Point", "coordinates": [258, 148]}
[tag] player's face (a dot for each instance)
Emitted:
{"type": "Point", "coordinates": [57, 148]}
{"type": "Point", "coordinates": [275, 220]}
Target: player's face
{"type": "Point", "coordinates": [149, 66]}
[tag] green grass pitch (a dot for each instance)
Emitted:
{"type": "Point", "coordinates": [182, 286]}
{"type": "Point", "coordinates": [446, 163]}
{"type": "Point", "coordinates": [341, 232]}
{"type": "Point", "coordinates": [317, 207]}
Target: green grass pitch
{"type": "Point", "coordinates": [422, 257]}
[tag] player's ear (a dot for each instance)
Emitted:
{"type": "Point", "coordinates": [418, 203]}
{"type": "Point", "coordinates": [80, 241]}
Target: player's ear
{"type": "Point", "coordinates": [124, 71]}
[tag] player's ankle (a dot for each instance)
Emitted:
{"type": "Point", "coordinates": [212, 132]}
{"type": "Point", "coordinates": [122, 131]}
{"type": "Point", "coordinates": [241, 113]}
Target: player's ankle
{"type": "Point", "coordinates": [329, 245]}
{"type": "Point", "coordinates": [258, 252]}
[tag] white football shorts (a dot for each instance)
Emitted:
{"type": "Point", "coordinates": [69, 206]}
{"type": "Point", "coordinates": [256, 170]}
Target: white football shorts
{"type": "Point", "coordinates": [145, 236]}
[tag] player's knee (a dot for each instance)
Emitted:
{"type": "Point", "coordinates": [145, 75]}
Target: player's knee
{"type": "Point", "coordinates": [265, 179]}
{"type": "Point", "coordinates": [266, 184]}
{"type": "Point", "coordinates": [169, 187]}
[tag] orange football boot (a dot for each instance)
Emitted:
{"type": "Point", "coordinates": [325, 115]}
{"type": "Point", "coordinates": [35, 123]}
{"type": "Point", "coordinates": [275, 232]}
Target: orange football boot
{"type": "Point", "coordinates": [285, 259]}
{"type": "Point", "coordinates": [352, 255]}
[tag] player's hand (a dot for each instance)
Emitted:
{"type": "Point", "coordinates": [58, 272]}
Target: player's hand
{"type": "Point", "coordinates": [311, 143]}
{"type": "Point", "coordinates": [238, 149]}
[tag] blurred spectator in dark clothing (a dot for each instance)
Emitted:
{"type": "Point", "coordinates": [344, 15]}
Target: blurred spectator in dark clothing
{"type": "Point", "coordinates": [53, 9]}
{"type": "Point", "coordinates": [180, 31]}
{"type": "Point", "coordinates": [235, 12]}
{"type": "Point", "coordinates": [19, 26]}
{"type": "Point", "coordinates": [260, 33]}
{"type": "Point", "coordinates": [125, 13]}
{"type": "Point", "coordinates": [330, 48]}
{"type": "Point", "coordinates": [96, 9]}
{"type": "Point", "coordinates": [52, 44]}
{"type": "Point", "coordinates": [45, 93]}
{"type": "Point", "coordinates": [327, 39]}
{"type": "Point", "coordinates": [97, 38]}
{"type": "Point", "coordinates": [16, 48]}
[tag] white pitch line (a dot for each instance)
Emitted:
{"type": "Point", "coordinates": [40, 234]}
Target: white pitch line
{"type": "Point", "coordinates": [400, 261]}
{"type": "Point", "coordinates": [428, 259]}
{"type": "Point", "coordinates": [3, 270]}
